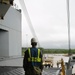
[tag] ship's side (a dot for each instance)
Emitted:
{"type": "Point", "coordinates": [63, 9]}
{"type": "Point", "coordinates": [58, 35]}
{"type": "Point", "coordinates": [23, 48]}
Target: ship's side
{"type": "Point", "coordinates": [10, 31]}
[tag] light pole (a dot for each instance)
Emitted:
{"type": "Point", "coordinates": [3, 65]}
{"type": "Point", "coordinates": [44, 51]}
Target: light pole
{"type": "Point", "coordinates": [26, 40]}
{"type": "Point", "coordinates": [68, 20]}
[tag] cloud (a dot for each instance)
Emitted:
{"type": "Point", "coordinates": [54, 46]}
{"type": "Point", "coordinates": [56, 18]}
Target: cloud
{"type": "Point", "coordinates": [49, 21]}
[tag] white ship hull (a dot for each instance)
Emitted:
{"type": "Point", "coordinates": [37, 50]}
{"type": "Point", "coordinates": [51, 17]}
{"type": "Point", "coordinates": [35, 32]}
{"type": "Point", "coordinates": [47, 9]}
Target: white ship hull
{"type": "Point", "coordinates": [10, 33]}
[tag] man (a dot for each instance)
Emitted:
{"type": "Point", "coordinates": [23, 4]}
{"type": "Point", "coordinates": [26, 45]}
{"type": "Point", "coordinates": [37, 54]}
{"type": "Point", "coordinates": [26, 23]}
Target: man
{"type": "Point", "coordinates": [32, 62]}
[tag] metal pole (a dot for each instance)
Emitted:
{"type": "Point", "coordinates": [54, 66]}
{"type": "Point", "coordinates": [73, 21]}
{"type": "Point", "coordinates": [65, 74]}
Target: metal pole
{"type": "Point", "coordinates": [26, 40]}
{"type": "Point", "coordinates": [68, 18]}
{"type": "Point", "coordinates": [28, 19]}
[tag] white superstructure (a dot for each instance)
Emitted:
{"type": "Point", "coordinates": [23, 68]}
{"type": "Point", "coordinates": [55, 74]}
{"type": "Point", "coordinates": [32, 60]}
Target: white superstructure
{"type": "Point", "coordinates": [10, 32]}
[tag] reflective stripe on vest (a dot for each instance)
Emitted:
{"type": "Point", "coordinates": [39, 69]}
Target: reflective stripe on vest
{"type": "Point", "coordinates": [34, 59]}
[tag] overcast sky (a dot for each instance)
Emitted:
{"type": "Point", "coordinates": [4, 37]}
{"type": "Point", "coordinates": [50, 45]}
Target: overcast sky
{"type": "Point", "coordinates": [49, 20]}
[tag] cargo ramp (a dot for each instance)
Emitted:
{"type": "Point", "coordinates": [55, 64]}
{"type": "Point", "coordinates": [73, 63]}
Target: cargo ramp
{"type": "Point", "coordinates": [19, 71]}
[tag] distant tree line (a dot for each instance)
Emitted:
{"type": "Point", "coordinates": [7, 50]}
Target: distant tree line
{"type": "Point", "coordinates": [52, 51]}
{"type": "Point", "coordinates": [58, 51]}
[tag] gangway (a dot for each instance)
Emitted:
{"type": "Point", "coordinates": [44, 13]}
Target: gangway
{"type": "Point", "coordinates": [19, 71]}
{"type": "Point", "coordinates": [51, 71]}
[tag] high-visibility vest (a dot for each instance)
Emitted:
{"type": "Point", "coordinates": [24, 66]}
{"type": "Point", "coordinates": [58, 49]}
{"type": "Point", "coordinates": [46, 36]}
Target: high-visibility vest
{"type": "Point", "coordinates": [34, 59]}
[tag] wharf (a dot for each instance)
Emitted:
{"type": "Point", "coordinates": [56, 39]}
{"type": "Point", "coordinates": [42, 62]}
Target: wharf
{"type": "Point", "coordinates": [13, 66]}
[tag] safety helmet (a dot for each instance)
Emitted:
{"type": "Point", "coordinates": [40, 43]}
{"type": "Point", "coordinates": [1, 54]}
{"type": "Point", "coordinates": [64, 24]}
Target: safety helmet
{"type": "Point", "coordinates": [33, 40]}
